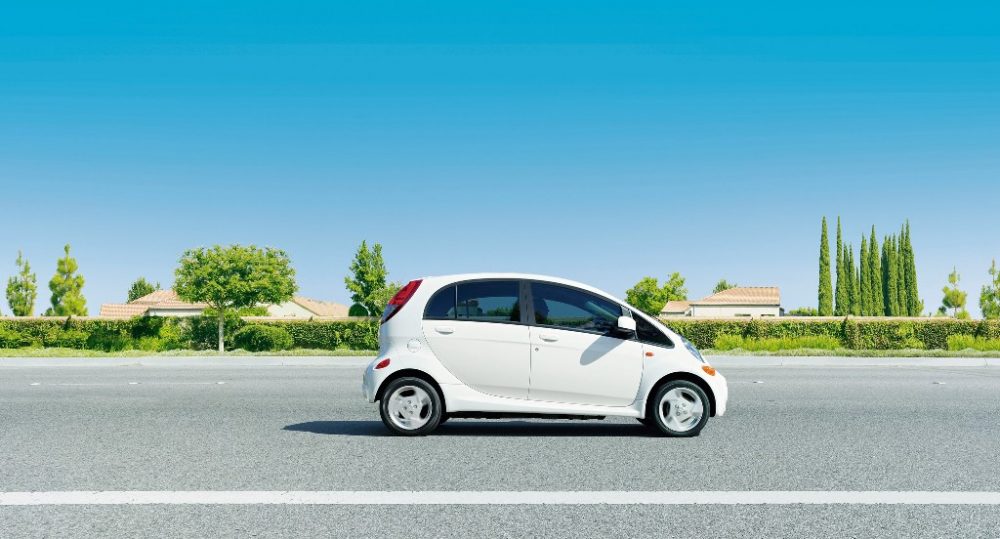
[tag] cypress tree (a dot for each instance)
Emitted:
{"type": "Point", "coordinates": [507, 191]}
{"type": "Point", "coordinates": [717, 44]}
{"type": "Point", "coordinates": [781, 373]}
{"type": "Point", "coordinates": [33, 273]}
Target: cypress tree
{"type": "Point", "coordinates": [851, 274]}
{"type": "Point", "coordinates": [901, 284]}
{"type": "Point", "coordinates": [865, 281]}
{"type": "Point", "coordinates": [875, 274]}
{"type": "Point", "coordinates": [890, 292]}
{"type": "Point", "coordinates": [914, 305]}
{"type": "Point", "coordinates": [900, 278]}
{"type": "Point", "coordinates": [884, 278]}
{"type": "Point", "coordinates": [842, 306]}
{"type": "Point", "coordinates": [903, 293]}
{"type": "Point", "coordinates": [858, 304]}
{"type": "Point", "coordinates": [825, 287]}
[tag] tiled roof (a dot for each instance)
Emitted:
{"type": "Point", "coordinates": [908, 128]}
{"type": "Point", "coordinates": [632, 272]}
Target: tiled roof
{"type": "Point", "coordinates": [157, 296]}
{"type": "Point", "coordinates": [166, 300]}
{"type": "Point", "coordinates": [321, 308]}
{"type": "Point", "coordinates": [744, 295]}
{"type": "Point", "coordinates": [676, 307]}
{"type": "Point", "coordinates": [117, 310]}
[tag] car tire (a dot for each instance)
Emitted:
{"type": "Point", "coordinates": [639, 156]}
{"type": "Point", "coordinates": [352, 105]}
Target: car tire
{"type": "Point", "coordinates": [679, 409]}
{"type": "Point", "coordinates": [411, 406]}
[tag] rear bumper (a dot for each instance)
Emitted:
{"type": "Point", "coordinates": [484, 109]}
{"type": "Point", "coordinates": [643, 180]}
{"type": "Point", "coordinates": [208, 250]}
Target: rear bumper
{"type": "Point", "coordinates": [370, 381]}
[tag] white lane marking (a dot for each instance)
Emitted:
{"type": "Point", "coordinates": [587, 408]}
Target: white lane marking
{"type": "Point", "coordinates": [343, 497]}
{"type": "Point", "coordinates": [113, 384]}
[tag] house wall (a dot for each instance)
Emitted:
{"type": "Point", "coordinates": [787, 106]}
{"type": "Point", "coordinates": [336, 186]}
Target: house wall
{"type": "Point", "coordinates": [289, 309]}
{"type": "Point", "coordinates": [726, 311]}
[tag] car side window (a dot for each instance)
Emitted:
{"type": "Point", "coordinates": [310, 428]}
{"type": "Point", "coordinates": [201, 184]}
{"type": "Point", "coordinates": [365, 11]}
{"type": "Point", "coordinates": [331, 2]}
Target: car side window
{"type": "Point", "coordinates": [489, 301]}
{"type": "Point", "coordinates": [569, 308]}
{"type": "Point", "coordinates": [442, 305]}
{"type": "Point", "coordinates": [649, 333]}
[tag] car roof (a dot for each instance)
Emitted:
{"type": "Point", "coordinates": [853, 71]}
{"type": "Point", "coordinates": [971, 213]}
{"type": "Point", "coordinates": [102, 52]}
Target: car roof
{"type": "Point", "coordinates": [443, 279]}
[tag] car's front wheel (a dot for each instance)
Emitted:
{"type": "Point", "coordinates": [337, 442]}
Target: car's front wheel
{"type": "Point", "coordinates": [680, 408]}
{"type": "Point", "coordinates": [411, 407]}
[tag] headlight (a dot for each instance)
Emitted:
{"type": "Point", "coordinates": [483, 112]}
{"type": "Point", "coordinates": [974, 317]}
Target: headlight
{"type": "Point", "coordinates": [694, 351]}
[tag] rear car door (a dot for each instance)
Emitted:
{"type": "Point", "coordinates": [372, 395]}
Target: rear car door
{"type": "Point", "coordinates": [477, 330]}
{"type": "Point", "coordinates": [575, 355]}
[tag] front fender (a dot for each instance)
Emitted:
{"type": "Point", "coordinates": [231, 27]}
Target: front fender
{"type": "Point", "coordinates": [678, 362]}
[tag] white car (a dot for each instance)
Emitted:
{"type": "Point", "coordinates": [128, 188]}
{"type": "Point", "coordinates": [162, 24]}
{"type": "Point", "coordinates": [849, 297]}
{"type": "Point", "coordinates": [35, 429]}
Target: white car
{"type": "Point", "coordinates": [511, 345]}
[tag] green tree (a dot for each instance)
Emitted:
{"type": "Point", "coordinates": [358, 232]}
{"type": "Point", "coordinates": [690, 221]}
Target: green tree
{"type": "Point", "coordinates": [649, 297]}
{"type": "Point", "coordinates": [367, 283]}
{"type": "Point", "coordinates": [380, 298]}
{"type": "Point", "coordinates": [234, 277]}
{"type": "Point", "coordinates": [865, 283]}
{"type": "Point", "coordinates": [842, 304]}
{"type": "Point", "coordinates": [141, 287]}
{"type": "Point", "coordinates": [875, 275]}
{"type": "Point", "coordinates": [989, 298]}
{"type": "Point", "coordinates": [890, 277]}
{"type": "Point", "coordinates": [22, 289]}
{"type": "Point", "coordinates": [954, 298]}
{"type": "Point", "coordinates": [825, 307]}
{"type": "Point", "coordinates": [914, 307]}
{"type": "Point", "coordinates": [851, 275]}
{"type": "Point", "coordinates": [723, 285]}
{"type": "Point", "coordinates": [902, 287]}
{"type": "Point", "coordinates": [67, 289]}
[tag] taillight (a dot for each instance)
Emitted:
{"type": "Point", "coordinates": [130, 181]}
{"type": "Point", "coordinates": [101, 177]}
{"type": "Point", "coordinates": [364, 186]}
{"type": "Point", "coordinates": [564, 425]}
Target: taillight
{"type": "Point", "coordinates": [382, 364]}
{"type": "Point", "coordinates": [400, 299]}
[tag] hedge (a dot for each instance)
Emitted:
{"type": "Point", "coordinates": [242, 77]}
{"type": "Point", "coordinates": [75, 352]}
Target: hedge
{"type": "Point", "coordinates": [195, 333]}
{"type": "Point", "coordinates": [261, 338]}
{"type": "Point", "coordinates": [199, 333]}
{"type": "Point", "coordinates": [853, 333]}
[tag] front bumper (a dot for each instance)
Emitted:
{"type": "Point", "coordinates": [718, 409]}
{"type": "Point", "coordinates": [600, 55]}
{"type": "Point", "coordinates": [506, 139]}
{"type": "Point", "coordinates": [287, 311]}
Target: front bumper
{"type": "Point", "coordinates": [720, 387]}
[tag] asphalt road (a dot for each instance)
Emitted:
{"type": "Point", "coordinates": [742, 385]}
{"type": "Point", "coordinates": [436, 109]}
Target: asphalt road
{"type": "Point", "coordinates": [306, 428]}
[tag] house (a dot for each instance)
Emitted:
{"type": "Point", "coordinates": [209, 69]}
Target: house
{"type": "Point", "coordinates": [166, 303]}
{"type": "Point", "coordinates": [676, 308]}
{"type": "Point", "coordinates": [741, 301]}
{"type": "Point", "coordinates": [158, 303]}
{"type": "Point", "coordinates": [300, 307]}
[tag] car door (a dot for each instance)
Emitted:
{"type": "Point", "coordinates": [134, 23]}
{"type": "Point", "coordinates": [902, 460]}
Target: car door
{"type": "Point", "coordinates": [575, 355]}
{"type": "Point", "coordinates": [476, 329]}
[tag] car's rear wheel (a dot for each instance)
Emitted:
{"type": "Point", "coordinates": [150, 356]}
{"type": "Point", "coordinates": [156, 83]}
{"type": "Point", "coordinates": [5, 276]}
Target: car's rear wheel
{"type": "Point", "coordinates": [411, 407]}
{"type": "Point", "coordinates": [680, 408]}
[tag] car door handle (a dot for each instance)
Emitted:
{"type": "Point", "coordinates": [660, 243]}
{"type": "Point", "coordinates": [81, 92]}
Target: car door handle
{"type": "Point", "coordinates": [444, 330]}
{"type": "Point", "coordinates": [548, 337]}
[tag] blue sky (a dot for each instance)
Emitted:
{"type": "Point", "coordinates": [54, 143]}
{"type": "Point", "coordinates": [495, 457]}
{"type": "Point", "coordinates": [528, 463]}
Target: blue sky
{"type": "Point", "coordinates": [596, 141]}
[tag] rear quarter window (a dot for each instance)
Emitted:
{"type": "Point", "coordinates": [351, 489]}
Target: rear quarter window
{"type": "Point", "coordinates": [441, 305]}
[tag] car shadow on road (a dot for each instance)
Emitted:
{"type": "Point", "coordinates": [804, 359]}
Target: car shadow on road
{"type": "Point", "coordinates": [482, 428]}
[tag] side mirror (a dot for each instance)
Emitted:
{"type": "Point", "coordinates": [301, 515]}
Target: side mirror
{"type": "Point", "coordinates": [626, 325]}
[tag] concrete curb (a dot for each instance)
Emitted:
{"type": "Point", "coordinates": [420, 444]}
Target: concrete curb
{"type": "Point", "coordinates": [724, 362]}
{"type": "Point", "coordinates": [191, 361]}
{"type": "Point", "coordinates": [847, 361]}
